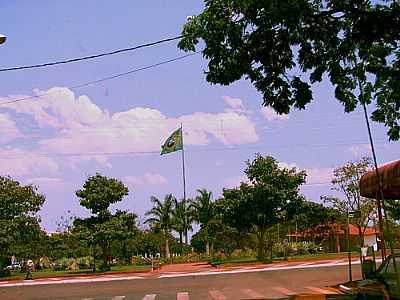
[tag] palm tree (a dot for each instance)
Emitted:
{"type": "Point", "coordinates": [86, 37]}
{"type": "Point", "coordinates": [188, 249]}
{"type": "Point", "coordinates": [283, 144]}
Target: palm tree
{"type": "Point", "coordinates": [203, 212]}
{"type": "Point", "coordinates": [161, 216]}
{"type": "Point", "coordinates": [182, 217]}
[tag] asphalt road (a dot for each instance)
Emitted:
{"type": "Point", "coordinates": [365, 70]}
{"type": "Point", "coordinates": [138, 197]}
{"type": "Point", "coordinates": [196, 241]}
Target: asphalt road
{"type": "Point", "coordinates": [257, 285]}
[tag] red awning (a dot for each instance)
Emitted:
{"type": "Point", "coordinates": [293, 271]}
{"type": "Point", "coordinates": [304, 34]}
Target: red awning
{"type": "Point", "coordinates": [390, 176]}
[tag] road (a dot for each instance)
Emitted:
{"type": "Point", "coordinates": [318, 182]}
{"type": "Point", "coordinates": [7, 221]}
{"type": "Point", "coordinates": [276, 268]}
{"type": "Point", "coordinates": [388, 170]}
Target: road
{"type": "Point", "coordinates": [253, 285]}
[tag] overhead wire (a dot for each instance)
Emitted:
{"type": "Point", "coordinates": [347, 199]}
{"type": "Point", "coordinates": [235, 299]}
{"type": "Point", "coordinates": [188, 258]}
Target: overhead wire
{"type": "Point", "coordinates": [88, 57]}
{"type": "Point", "coordinates": [78, 86]}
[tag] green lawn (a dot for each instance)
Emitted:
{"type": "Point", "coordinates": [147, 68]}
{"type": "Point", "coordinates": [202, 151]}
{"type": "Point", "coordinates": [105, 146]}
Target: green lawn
{"type": "Point", "coordinates": [51, 273]}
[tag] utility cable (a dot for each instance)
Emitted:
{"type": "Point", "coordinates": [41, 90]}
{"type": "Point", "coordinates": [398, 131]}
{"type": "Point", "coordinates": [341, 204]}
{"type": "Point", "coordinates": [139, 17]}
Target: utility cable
{"type": "Point", "coordinates": [48, 64]}
{"type": "Point", "coordinates": [102, 79]}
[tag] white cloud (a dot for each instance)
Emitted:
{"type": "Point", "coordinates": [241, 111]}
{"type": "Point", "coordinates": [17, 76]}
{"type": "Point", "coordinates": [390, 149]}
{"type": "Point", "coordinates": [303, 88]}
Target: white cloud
{"type": "Point", "coordinates": [270, 114]}
{"type": "Point", "coordinates": [361, 150]}
{"type": "Point", "coordinates": [235, 103]}
{"type": "Point", "coordinates": [319, 175]}
{"type": "Point", "coordinates": [46, 182]}
{"type": "Point", "coordinates": [83, 127]}
{"type": "Point", "coordinates": [8, 129]}
{"type": "Point", "coordinates": [149, 178]}
{"type": "Point", "coordinates": [17, 162]}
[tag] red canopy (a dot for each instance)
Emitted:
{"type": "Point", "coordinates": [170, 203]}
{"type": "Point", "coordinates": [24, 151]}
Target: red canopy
{"type": "Point", "coordinates": [390, 176]}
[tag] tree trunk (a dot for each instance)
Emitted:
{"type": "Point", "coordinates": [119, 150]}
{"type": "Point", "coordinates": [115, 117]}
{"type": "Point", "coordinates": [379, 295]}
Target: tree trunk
{"type": "Point", "coordinates": [186, 237]}
{"type": "Point", "coordinates": [260, 247]}
{"type": "Point", "coordinates": [167, 254]}
{"type": "Point", "coordinates": [208, 248]}
{"type": "Point", "coordinates": [180, 237]}
{"type": "Point", "coordinates": [212, 249]}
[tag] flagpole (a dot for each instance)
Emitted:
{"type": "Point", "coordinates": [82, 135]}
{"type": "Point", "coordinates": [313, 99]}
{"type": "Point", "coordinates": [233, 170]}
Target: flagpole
{"type": "Point", "coordinates": [184, 182]}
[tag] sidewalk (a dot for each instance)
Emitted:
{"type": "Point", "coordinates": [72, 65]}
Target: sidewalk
{"type": "Point", "coordinates": [182, 270]}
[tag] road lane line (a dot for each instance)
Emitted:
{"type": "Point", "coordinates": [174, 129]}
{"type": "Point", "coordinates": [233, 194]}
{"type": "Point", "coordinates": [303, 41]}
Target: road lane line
{"type": "Point", "coordinates": [150, 297]}
{"type": "Point", "coordinates": [217, 295]}
{"type": "Point", "coordinates": [182, 296]}
{"type": "Point", "coordinates": [320, 290]}
{"type": "Point", "coordinates": [88, 299]}
{"type": "Point", "coordinates": [252, 293]}
{"type": "Point", "coordinates": [284, 290]}
{"type": "Point", "coordinates": [118, 298]}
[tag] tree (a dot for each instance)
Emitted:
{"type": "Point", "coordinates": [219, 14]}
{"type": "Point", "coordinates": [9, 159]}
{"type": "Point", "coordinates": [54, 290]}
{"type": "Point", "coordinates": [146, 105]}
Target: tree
{"type": "Point", "coordinates": [162, 217]}
{"type": "Point", "coordinates": [203, 213]}
{"type": "Point", "coordinates": [20, 232]}
{"type": "Point", "coordinates": [182, 219]}
{"type": "Point", "coordinates": [285, 46]}
{"type": "Point", "coordinates": [270, 197]}
{"type": "Point", "coordinates": [98, 193]}
{"type": "Point", "coordinates": [346, 180]}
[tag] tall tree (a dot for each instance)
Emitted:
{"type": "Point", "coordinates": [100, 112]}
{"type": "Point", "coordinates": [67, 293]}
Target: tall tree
{"type": "Point", "coordinates": [285, 46]}
{"type": "Point", "coordinates": [162, 217]}
{"type": "Point", "coordinates": [346, 180]}
{"type": "Point", "coordinates": [203, 213]}
{"type": "Point", "coordinates": [271, 197]}
{"type": "Point", "coordinates": [182, 219]}
{"type": "Point", "coordinates": [98, 193]}
{"type": "Point", "coordinates": [20, 232]}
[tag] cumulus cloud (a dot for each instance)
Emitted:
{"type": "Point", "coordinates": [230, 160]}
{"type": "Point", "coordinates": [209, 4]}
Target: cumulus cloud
{"type": "Point", "coordinates": [270, 114]}
{"type": "Point", "coordinates": [149, 178]}
{"type": "Point", "coordinates": [84, 127]}
{"type": "Point", "coordinates": [235, 103]}
{"type": "Point", "coordinates": [319, 175]}
{"type": "Point", "coordinates": [8, 129]}
{"type": "Point", "coordinates": [48, 183]}
{"type": "Point", "coordinates": [18, 162]}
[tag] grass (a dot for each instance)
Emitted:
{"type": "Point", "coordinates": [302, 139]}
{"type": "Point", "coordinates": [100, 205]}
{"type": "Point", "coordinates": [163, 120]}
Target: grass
{"type": "Point", "coordinates": [70, 273]}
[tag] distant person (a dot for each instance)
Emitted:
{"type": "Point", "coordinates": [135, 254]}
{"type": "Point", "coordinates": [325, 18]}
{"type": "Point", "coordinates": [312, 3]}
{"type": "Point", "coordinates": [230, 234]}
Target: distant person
{"type": "Point", "coordinates": [29, 269]}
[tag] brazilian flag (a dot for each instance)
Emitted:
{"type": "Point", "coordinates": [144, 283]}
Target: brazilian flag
{"type": "Point", "coordinates": [173, 143]}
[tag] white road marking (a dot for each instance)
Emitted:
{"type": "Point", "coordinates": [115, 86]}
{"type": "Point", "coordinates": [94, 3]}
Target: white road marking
{"type": "Point", "coordinates": [320, 290]}
{"type": "Point", "coordinates": [149, 297]}
{"type": "Point", "coordinates": [65, 281]}
{"type": "Point", "coordinates": [284, 290]}
{"type": "Point", "coordinates": [118, 298]}
{"type": "Point", "coordinates": [308, 264]}
{"type": "Point", "coordinates": [217, 295]}
{"type": "Point", "coordinates": [87, 299]}
{"type": "Point", "coordinates": [182, 296]}
{"type": "Point", "coordinates": [252, 294]}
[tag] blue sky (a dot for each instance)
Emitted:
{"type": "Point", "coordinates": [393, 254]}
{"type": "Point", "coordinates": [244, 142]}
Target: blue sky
{"type": "Point", "coordinates": [50, 141]}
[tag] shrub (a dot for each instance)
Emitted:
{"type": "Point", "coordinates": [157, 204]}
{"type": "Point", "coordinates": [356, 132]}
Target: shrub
{"type": "Point", "coordinates": [4, 273]}
{"type": "Point", "coordinates": [104, 267]}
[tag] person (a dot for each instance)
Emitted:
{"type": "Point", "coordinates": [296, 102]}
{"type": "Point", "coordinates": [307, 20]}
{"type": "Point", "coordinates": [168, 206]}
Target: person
{"type": "Point", "coordinates": [29, 268]}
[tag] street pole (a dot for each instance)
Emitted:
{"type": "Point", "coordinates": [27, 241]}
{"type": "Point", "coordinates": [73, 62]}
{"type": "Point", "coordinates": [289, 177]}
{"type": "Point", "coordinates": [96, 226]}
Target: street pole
{"type": "Point", "coordinates": [381, 201]}
{"type": "Point", "coordinates": [348, 246]}
{"type": "Point", "coordinates": [184, 184]}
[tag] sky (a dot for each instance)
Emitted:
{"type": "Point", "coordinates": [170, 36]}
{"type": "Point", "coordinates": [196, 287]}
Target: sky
{"type": "Point", "coordinates": [59, 138]}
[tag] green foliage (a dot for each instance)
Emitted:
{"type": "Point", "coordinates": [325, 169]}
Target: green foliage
{"type": "Point", "coordinates": [346, 180]}
{"type": "Point", "coordinates": [99, 192]}
{"type": "Point", "coordinates": [271, 197]}
{"type": "Point", "coordinates": [20, 232]}
{"type": "Point", "coordinates": [285, 46]}
{"type": "Point", "coordinates": [162, 218]}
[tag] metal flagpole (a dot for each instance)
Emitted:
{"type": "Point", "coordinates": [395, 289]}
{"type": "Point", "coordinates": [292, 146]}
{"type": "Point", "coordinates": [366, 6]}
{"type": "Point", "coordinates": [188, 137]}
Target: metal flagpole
{"type": "Point", "coordinates": [184, 181]}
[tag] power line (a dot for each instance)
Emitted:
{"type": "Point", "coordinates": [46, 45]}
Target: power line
{"type": "Point", "coordinates": [67, 61]}
{"type": "Point", "coordinates": [103, 79]}
{"type": "Point", "coordinates": [126, 153]}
